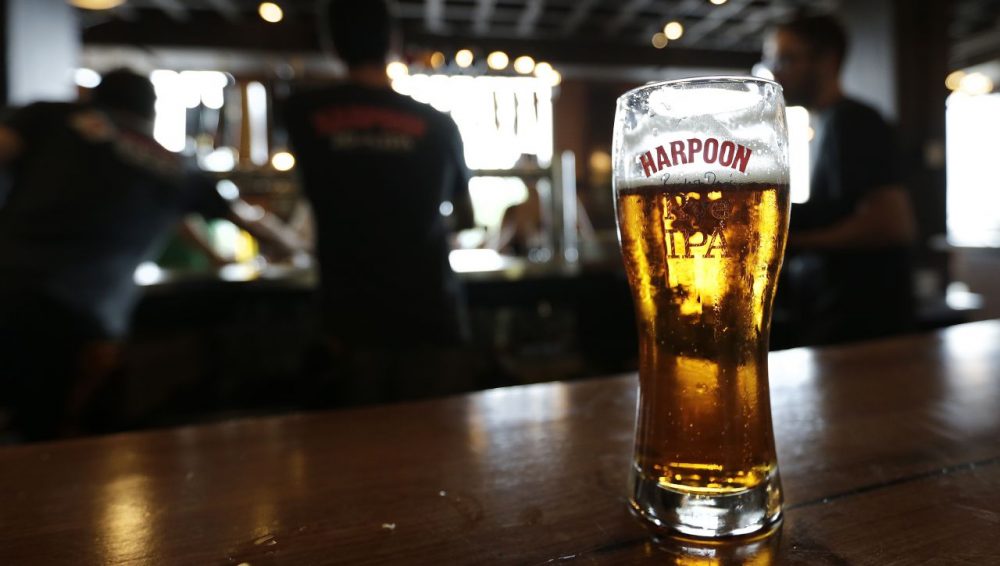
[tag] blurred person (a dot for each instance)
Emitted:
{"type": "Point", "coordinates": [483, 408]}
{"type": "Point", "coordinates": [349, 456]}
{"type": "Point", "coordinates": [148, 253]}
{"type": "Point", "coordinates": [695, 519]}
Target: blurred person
{"type": "Point", "coordinates": [526, 230]}
{"type": "Point", "coordinates": [848, 271]}
{"type": "Point", "coordinates": [92, 196]}
{"type": "Point", "coordinates": [377, 168]}
{"type": "Point", "coordinates": [524, 227]}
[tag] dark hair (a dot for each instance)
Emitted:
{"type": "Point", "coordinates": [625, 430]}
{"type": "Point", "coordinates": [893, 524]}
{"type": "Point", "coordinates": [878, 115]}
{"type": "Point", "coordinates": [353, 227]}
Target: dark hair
{"type": "Point", "coordinates": [823, 34]}
{"type": "Point", "coordinates": [360, 30]}
{"type": "Point", "coordinates": [128, 91]}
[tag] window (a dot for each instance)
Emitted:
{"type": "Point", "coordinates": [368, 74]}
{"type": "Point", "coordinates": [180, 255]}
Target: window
{"type": "Point", "coordinates": [799, 136]}
{"type": "Point", "coordinates": [973, 191]}
{"type": "Point", "coordinates": [501, 119]}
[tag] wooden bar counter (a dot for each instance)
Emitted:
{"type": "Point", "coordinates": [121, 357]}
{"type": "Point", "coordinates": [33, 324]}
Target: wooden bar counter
{"type": "Point", "coordinates": [889, 454]}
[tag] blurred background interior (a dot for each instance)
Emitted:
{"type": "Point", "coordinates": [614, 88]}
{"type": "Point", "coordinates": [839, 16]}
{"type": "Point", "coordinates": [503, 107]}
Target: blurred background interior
{"type": "Point", "coordinates": [532, 86]}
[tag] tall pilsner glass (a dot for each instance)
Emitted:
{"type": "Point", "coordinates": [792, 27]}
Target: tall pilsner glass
{"type": "Point", "coordinates": [701, 193]}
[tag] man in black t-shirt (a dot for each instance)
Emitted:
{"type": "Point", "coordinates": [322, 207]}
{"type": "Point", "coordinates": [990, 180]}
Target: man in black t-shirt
{"type": "Point", "coordinates": [379, 168]}
{"type": "Point", "coordinates": [92, 195]}
{"type": "Point", "coordinates": [848, 271]}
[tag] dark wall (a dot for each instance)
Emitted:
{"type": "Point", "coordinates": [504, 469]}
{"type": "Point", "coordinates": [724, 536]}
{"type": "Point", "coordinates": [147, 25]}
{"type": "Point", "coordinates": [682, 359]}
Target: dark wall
{"type": "Point", "coordinates": [922, 42]}
{"type": "Point", "coordinates": [584, 115]}
{"type": "Point", "coordinates": [3, 53]}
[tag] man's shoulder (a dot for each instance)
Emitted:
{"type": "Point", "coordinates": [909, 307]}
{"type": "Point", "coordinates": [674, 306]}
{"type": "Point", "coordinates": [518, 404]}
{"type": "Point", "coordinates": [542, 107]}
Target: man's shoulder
{"type": "Point", "coordinates": [311, 93]}
{"type": "Point", "coordinates": [53, 107]}
{"type": "Point", "coordinates": [42, 110]}
{"type": "Point", "coordinates": [855, 111]}
{"type": "Point", "coordinates": [348, 94]}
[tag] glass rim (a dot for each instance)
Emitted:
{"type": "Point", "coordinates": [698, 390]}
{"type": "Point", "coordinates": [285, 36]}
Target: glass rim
{"type": "Point", "coordinates": [706, 79]}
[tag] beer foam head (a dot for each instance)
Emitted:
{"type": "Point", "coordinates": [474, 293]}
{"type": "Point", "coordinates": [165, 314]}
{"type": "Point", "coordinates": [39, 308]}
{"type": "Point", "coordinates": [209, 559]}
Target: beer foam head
{"type": "Point", "coordinates": [715, 130]}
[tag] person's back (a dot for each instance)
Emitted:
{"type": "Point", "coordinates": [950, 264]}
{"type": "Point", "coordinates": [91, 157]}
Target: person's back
{"type": "Point", "coordinates": [377, 167]}
{"type": "Point", "coordinates": [91, 196]}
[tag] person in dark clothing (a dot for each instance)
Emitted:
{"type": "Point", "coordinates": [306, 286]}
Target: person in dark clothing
{"type": "Point", "coordinates": [378, 169]}
{"type": "Point", "coordinates": [848, 271]}
{"type": "Point", "coordinates": [92, 196]}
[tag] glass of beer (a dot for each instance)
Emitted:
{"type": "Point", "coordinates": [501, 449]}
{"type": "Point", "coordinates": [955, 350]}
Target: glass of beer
{"type": "Point", "coordinates": [701, 195]}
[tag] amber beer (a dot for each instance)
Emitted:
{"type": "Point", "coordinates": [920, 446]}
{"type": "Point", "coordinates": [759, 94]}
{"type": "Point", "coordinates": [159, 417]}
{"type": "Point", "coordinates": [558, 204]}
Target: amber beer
{"type": "Point", "coordinates": [703, 233]}
{"type": "Point", "coordinates": [702, 264]}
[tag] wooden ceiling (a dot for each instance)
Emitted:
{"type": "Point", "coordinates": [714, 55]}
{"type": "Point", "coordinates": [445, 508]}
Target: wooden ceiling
{"type": "Point", "coordinates": [600, 32]}
{"type": "Point", "coordinates": [573, 31]}
{"type": "Point", "coordinates": [974, 32]}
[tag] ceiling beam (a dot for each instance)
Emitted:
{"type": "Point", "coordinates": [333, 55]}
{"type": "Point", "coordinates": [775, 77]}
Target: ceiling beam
{"type": "Point", "coordinates": [576, 17]}
{"type": "Point", "coordinates": [689, 8]}
{"type": "Point", "coordinates": [626, 15]}
{"type": "Point", "coordinates": [532, 11]}
{"type": "Point", "coordinates": [173, 8]}
{"type": "Point", "coordinates": [715, 19]}
{"type": "Point", "coordinates": [409, 11]}
{"type": "Point", "coordinates": [482, 16]}
{"type": "Point", "coordinates": [227, 8]}
{"type": "Point", "coordinates": [434, 15]}
{"type": "Point", "coordinates": [297, 36]}
{"type": "Point", "coordinates": [974, 49]}
{"type": "Point", "coordinates": [586, 51]}
{"type": "Point", "coordinates": [156, 29]}
{"type": "Point", "coordinates": [669, 12]}
{"type": "Point", "coordinates": [753, 24]}
{"type": "Point", "coordinates": [125, 11]}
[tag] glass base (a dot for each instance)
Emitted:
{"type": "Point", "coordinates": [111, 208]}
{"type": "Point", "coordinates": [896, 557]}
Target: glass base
{"type": "Point", "coordinates": [669, 510]}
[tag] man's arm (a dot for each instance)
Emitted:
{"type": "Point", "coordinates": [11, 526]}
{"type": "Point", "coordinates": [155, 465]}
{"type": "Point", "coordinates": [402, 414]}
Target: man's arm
{"type": "Point", "coordinates": [463, 215]}
{"type": "Point", "coordinates": [508, 228]}
{"type": "Point", "coordinates": [883, 217]}
{"type": "Point", "coordinates": [19, 127]}
{"type": "Point", "coordinates": [210, 201]}
{"type": "Point", "coordinates": [192, 230]}
{"type": "Point", "coordinates": [265, 227]}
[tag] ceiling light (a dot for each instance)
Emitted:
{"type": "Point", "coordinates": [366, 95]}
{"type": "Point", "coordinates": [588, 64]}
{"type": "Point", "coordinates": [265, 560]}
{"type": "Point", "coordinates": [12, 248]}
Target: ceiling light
{"type": "Point", "coordinates": [761, 70]}
{"type": "Point", "coordinates": [545, 72]}
{"type": "Point", "coordinates": [283, 161]}
{"type": "Point", "coordinates": [87, 78]}
{"type": "Point", "coordinates": [659, 40]}
{"type": "Point", "coordinates": [437, 59]}
{"type": "Point", "coordinates": [524, 65]}
{"type": "Point", "coordinates": [497, 60]}
{"type": "Point", "coordinates": [96, 4]}
{"type": "Point", "coordinates": [954, 80]}
{"type": "Point", "coordinates": [718, 2]}
{"type": "Point", "coordinates": [976, 83]}
{"type": "Point", "coordinates": [463, 58]}
{"type": "Point", "coordinates": [396, 70]}
{"type": "Point", "coordinates": [270, 12]}
{"type": "Point", "coordinates": [673, 31]}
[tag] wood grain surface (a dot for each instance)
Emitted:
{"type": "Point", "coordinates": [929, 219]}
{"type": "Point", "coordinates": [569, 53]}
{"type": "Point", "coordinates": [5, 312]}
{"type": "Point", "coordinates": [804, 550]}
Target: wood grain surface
{"type": "Point", "coordinates": [889, 454]}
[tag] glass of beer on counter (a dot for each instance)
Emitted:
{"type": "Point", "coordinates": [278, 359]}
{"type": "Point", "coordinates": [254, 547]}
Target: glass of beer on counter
{"type": "Point", "coordinates": [701, 194]}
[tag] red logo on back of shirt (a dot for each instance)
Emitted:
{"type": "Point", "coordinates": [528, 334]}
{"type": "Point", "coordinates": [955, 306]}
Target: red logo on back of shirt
{"type": "Point", "coordinates": [329, 121]}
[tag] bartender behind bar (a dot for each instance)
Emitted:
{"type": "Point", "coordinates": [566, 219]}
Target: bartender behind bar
{"type": "Point", "coordinates": [379, 168]}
